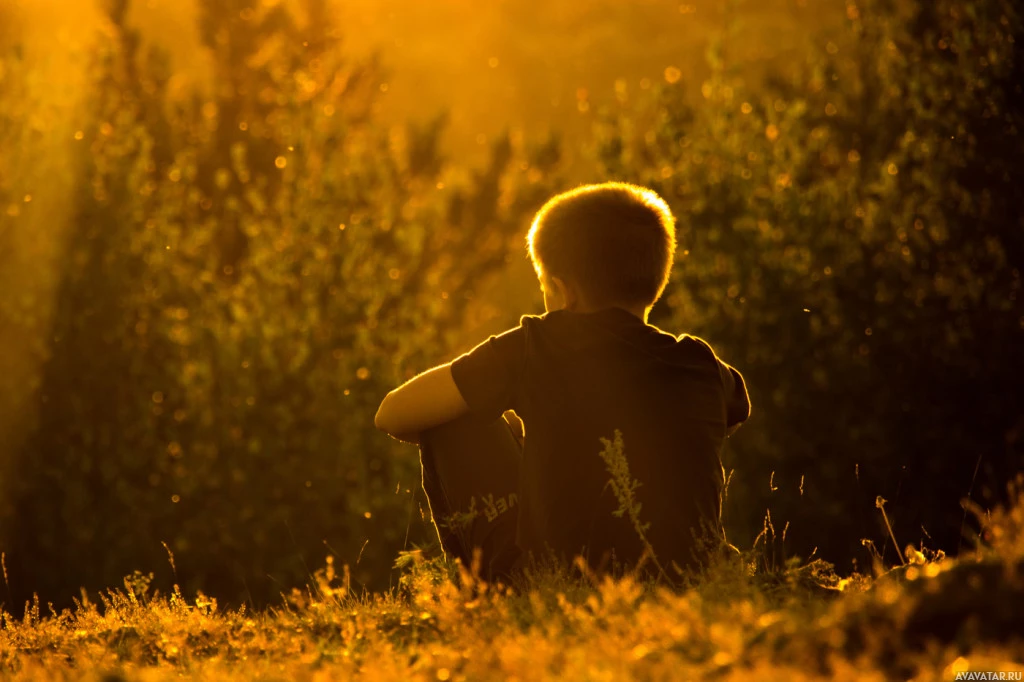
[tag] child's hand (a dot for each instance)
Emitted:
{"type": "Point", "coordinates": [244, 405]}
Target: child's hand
{"type": "Point", "coordinates": [516, 425]}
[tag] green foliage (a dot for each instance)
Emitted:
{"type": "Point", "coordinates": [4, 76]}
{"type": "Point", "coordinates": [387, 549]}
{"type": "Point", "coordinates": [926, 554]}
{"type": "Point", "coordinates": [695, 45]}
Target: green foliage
{"type": "Point", "coordinates": [851, 238]}
{"type": "Point", "coordinates": [247, 273]}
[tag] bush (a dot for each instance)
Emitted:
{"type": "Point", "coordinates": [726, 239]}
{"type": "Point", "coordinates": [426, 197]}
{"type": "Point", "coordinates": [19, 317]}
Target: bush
{"type": "Point", "coordinates": [247, 273]}
{"type": "Point", "coordinates": [852, 240]}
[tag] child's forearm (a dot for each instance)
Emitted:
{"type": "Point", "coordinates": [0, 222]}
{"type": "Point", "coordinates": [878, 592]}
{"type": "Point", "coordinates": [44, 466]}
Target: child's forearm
{"type": "Point", "coordinates": [428, 400]}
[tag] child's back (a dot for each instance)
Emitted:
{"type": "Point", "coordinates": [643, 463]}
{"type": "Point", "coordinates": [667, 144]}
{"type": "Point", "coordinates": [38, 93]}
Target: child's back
{"type": "Point", "coordinates": [575, 379]}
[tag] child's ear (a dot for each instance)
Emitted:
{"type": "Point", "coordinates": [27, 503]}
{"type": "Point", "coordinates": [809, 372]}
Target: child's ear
{"type": "Point", "coordinates": [566, 292]}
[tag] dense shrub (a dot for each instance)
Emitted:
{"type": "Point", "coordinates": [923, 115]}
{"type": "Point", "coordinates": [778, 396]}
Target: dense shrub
{"type": "Point", "coordinates": [855, 245]}
{"type": "Point", "coordinates": [246, 274]}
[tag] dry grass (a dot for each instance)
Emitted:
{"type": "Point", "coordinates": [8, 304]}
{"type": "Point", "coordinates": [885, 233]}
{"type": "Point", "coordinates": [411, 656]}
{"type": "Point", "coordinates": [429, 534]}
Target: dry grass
{"type": "Point", "coordinates": [924, 621]}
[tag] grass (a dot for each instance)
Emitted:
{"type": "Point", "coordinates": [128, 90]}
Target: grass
{"type": "Point", "coordinates": [926, 620]}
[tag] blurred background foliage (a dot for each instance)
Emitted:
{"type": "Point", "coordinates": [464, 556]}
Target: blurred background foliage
{"type": "Point", "coordinates": [246, 266]}
{"type": "Point", "coordinates": [243, 276]}
{"type": "Point", "coordinates": [855, 247]}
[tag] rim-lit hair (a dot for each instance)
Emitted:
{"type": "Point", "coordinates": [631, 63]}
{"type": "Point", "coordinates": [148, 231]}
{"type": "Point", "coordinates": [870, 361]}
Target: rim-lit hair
{"type": "Point", "coordinates": [615, 241]}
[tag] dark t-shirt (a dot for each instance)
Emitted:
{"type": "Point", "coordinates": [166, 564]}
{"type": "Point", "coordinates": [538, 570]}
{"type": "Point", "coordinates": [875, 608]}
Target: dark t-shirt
{"type": "Point", "coordinates": [574, 378]}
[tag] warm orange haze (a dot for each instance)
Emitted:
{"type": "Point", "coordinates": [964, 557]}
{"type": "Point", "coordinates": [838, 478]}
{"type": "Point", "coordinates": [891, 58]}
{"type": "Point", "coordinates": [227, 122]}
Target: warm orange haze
{"type": "Point", "coordinates": [488, 67]}
{"type": "Point", "coordinates": [235, 235]}
{"type": "Point", "coordinates": [485, 69]}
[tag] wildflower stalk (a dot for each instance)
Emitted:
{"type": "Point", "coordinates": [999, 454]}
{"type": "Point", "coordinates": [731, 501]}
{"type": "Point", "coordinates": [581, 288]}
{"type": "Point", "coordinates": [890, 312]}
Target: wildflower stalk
{"type": "Point", "coordinates": [880, 503]}
{"type": "Point", "coordinates": [624, 487]}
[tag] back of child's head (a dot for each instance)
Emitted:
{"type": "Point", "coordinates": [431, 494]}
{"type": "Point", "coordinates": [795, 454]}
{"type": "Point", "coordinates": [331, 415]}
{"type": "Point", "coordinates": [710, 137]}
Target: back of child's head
{"type": "Point", "coordinates": [614, 241]}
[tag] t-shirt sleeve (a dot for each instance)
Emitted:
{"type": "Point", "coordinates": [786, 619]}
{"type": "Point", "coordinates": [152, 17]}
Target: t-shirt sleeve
{"type": "Point", "coordinates": [488, 377]}
{"type": "Point", "coordinates": [737, 402]}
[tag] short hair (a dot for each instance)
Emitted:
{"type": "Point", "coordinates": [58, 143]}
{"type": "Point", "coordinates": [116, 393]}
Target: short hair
{"type": "Point", "coordinates": [615, 241]}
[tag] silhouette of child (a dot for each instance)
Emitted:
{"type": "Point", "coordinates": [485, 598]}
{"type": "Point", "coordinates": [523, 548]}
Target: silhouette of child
{"type": "Point", "coordinates": [589, 366]}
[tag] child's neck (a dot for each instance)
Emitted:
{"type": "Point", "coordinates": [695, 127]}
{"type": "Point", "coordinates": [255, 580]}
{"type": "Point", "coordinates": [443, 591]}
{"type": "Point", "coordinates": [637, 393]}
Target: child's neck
{"type": "Point", "coordinates": [635, 311]}
{"type": "Point", "coordinates": [640, 312]}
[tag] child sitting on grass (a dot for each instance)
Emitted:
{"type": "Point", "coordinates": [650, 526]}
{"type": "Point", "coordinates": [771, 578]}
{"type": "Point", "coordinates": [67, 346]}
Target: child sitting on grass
{"type": "Point", "coordinates": [590, 366]}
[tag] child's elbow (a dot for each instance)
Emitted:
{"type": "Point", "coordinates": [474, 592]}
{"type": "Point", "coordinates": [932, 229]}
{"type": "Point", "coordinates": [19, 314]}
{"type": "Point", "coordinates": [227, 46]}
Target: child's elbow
{"type": "Point", "coordinates": [389, 422]}
{"type": "Point", "coordinates": [383, 419]}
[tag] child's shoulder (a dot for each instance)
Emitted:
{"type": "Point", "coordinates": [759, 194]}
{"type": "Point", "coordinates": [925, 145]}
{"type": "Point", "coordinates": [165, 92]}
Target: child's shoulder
{"type": "Point", "coordinates": [552, 320]}
{"type": "Point", "coordinates": [698, 345]}
{"type": "Point", "coordinates": [694, 340]}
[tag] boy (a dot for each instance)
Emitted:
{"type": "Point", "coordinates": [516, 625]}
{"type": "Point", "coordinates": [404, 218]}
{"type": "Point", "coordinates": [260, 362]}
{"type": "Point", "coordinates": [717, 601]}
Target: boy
{"type": "Point", "coordinates": [588, 367]}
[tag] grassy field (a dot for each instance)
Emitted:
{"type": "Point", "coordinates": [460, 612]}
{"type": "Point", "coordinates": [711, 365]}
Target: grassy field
{"type": "Point", "coordinates": [743, 619]}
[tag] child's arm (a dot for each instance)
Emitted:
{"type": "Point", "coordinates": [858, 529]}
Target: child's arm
{"type": "Point", "coordinates": [487, 377]}
{"type": "Point", "coordinates": [737, 400]}
{"type": "Point", "coordinates": [425, 401]}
